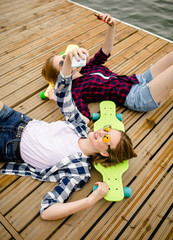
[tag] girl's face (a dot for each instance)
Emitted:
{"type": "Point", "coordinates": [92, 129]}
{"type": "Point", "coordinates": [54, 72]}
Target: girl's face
{"type": "Point", "coordinates": [58, 62]}
{"type": "Point", "coordinates": [96, 138]}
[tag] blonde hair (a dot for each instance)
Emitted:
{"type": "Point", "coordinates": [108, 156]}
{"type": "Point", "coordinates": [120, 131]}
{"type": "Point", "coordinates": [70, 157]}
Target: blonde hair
{"type": "Point", "coordinates": [49, 72]}
{"type": "Point", "coordinates": [123, 151]}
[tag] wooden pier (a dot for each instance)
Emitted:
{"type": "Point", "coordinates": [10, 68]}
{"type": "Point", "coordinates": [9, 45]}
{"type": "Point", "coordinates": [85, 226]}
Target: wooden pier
{"type": "Point", "coordinates": [30, 32]}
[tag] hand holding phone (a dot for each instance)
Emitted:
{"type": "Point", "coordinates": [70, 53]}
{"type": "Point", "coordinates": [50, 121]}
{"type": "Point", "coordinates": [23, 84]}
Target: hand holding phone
{"type": "Point", "coordinates": [100, 18]}
{"type": "Point", "coordinates": [80, 63]}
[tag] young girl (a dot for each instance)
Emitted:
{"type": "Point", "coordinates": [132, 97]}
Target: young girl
{"type": "Point", "coordinates": [96, 82]}
{"type": "Point", "coordinates": [60, 151]}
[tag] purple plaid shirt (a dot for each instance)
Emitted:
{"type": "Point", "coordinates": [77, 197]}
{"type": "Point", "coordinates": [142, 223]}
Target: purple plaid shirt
{"type": "Point", "coordinates": [98, 83]}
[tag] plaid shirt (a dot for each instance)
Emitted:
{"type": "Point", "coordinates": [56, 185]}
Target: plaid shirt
{"type": "Point", "coordinates": [98, 83]}
{"type": "Point", "coordinates": [73, 171]}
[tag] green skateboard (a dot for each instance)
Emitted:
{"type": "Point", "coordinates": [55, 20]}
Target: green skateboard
{"type": "Point", "coordinates": [111, 175]}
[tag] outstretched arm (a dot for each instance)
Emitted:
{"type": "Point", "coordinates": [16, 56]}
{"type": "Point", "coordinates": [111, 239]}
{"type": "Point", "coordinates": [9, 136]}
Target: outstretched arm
{"type": "Point", "coordinates": [53, 97]}
{"type": "Point", "coordinates": [62, 89]}
{"type": "Point", "coordinates": [109, 38]}
{"type": "Point", "coordinates": [61, 210]}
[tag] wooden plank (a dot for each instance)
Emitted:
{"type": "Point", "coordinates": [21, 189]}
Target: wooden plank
{"type": "Point", "coordinates": [16, 85]}
{"type": "Point", "coordinates": [114, 220]}
{"type": "Point", "coordinates": [145, 124]}
{"type": "Point", "coordinates": [138, 168]}
{"type": "Point", "coordinates": [32, 231]}
{"type": "Point", "coordinates": [152, 142]}
{"type": "Point", "coordinates": [4, 234]}
{"type": "Point", "coordinates": [145, 223]}
{"type": "Point", "coordinates": [90, 215]}
{"type": "Point", "coordinates": [28, 39]}
{"type": "Point", "coordinates": [132, 59]}
{"type": "Point", "coordinates": [6, 180]}
{"type": "Point", "coordinates": [152, 59]}
{"type": "Point", "coordinates": [6, 5]}
{"type": "Point", "coordinates": [40, 49]}
{"type": "Point", "coordinates": [96, 41]}
{"type": "Point", "coordinates": [10, 228]}
{"type": "Point", "coordinates": [139, 126]}
{"type": "Point", "coordinates": [131, 52]}
{"type": "Point", "coordinates": [165, 231]}
{"type": "Point", "coordinates": [15, 193]}
{"type": "Point", "coordinates": [39, 28]}
{"type": "Point", "coordinates": [17, 8]}
{"type": "Point", "coordinates": [29, 208]}
{"type": "Point", "coordinates": [19, 15]}
{"type": "Point", "coordinates": [34, 64]}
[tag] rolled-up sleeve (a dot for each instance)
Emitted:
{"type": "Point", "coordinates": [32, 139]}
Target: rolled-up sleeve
{"type": "Point", "coordinates": [63, 191]}
{"type": "Point", "coordinates": [99, 58]}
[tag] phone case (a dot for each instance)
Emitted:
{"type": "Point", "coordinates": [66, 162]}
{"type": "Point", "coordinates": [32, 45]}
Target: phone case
{"type": "Point", "coordinates": [80, 63]}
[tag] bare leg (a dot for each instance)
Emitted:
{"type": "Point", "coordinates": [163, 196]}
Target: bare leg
{"type": "Point", "coordinates": [162, 84]}
{"type": "Point", "coordinates": [1, 105]}
{"type": "Point", "coordinates": [161, 65]}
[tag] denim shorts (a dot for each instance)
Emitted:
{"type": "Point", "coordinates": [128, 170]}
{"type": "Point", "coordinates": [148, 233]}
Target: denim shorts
{"type": "Point", "coordinates": [139, 97]}
{"type": "Point", "coordinates": [9, 122]}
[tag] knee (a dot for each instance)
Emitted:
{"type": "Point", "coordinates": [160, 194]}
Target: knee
{"type": "Point", "coordinates": [1, 105]}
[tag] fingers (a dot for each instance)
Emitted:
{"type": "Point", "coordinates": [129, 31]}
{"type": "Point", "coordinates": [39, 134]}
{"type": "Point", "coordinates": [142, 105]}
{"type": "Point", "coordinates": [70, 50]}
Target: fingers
{"type": "Point", "coordinates": [99, 193]}
{"type": "Point", "coordinates": [85, 52]}
{"type": "Point", "coordinates": [82, 52]}
{"type": "Point", "coordinates": [79, 52]}
{"type": "Point", "coordinates": [51, 94]}
{"type": "Point", "coordinates": [102, 186]}
{"type": "Point", "coordinates": [107, 19]}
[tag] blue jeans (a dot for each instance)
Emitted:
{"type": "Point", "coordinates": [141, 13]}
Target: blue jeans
{"type": "Point", "coordinates": [140, 97]}
{"type": "Point", "coordinates": [9, 122]}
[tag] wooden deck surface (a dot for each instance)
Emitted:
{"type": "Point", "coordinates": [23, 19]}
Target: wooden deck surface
{"type": "Point", "coordinates": [30, 32]}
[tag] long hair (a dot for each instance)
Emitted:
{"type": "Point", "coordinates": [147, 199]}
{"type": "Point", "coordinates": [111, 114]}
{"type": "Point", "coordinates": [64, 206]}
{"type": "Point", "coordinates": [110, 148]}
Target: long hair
{"type": "Point", "coordinates": [123, 151]}
{"type": "Point", "coordinates": [49, 72]}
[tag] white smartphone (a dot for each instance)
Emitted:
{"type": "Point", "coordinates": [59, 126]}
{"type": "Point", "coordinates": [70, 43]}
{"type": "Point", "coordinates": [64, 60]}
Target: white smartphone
{"type": "Point", "coordinates": [80, 63]}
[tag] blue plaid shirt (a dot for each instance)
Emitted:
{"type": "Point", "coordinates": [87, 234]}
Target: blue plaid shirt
{"type": "Point", "coordinates": [73, 171]}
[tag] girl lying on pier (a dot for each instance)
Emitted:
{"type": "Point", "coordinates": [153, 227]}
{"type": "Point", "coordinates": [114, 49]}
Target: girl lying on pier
{"type": "Point", "coordinates": [60, 151]}
{"type": "Point", "coordinates": [95, 82]}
